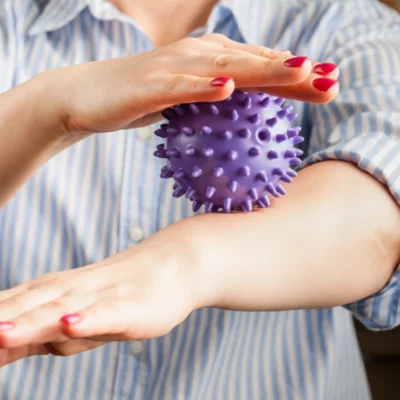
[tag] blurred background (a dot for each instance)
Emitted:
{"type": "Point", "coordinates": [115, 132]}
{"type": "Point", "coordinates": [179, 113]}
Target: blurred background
{"type": "Point", "coordinates": [392, 3]}
{"type": "Point", "coordinates": [381, 350]}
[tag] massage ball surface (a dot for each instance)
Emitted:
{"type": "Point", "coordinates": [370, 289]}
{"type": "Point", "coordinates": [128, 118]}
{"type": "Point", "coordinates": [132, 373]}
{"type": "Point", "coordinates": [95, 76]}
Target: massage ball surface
{"type": "Point", "coordinates": [232, 154]}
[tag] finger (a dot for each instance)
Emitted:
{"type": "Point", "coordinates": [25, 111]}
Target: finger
{"type": "Point", "coordinates": [250, 70]}
{"type": "Point", "coordinates": [315, 89]}
{"type": "Point", "coordinates": [41, 325]}
{"type": "Point", "coordinates": [21, 288]}
{"type": "Point", "coordinates": [23, 302]}
{"type": "Point", "coordinates": [7, 356]}
{"type": "Point", "coordinates": [327, 70]}
{"type": "Point", "coordinates": [179, 88]}
{"type": "Point", "coordinates": [106, 317]}
{"type": "Point", "coordinates": [112, 338]}
{"type": "Point", "coordinates": [72, 346]}
{"type": "Point", "coordinates": [257, 50]}
{"type": "Point", "coordinates": [66, 348]}
{"type": "Point", "coordinates": [230, 46]}
{"type": "Point", "coordinates": [121, 319]}
{"type": "Point", "coordinates": [51, 287]}
{"type": "Point", "coordinates": [273, 55]}
{"type": "Point", "coordinates": [27, 286]}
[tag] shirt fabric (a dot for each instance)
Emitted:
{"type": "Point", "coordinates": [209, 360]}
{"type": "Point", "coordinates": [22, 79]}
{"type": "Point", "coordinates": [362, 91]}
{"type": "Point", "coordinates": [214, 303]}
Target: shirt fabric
{"type": "Point", "coordinates": [104, 195]}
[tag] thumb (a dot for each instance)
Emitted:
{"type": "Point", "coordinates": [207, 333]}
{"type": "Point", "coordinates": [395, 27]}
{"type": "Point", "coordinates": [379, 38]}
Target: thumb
{"type": "Point", "coordinates": [177, 89]}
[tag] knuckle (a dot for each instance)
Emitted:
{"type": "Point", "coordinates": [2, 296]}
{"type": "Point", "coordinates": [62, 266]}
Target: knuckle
{"type": "Point", "coordinates": [267, 65]}
{"type": "Point", "coordinates": [131, 333]}
{"type": "Point", "coordinates": [221, 62]}
{"type": "Point", "coordinates": [19, 303]}
{"type": "Point", "coordinates": [23, 287]}
{"type": "Point", "coordinates": [134, 331]}
{"type": "Point", "coordinates": [189, 42]}
{"type": "Point", "coordinates": [122, 291]}
{"type": "Point", "coordinates": [171, 85]}
{"type": "Point", "coordinates": [286, 53]}
{"type": "Point", "coordinates": [193, 87]}
{"type": "Point", "coordinates": [58, 306]}
{"type": "Point", "coordinates": [108, 306]}
{"type": "Point", "coordinates": [49, 277]}
{"type": "Point", "coordinates": [274, 55]}
{"type": "Point", "coordinates": [217, 37]}
{"type": "Point", "coordinates": [263, 52]}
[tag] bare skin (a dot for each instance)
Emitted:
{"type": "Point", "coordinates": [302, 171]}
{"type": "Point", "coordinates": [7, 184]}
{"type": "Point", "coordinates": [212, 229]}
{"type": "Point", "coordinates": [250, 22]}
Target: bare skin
{"type": "Point", "coordinates": [185, 74]}
{"type": "Point", "coordinates": [345, 254]}
{"type": "Point", "coordinates": [155, 18]}
{"type": "Point", "coordinates": [154, 291]}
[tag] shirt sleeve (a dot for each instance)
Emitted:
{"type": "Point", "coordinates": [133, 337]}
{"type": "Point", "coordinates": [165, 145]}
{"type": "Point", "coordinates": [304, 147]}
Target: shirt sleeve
{"type": "Point", "coordinates": [15, 17]}
{"type": "Point", "coordinates": [7, 47]}
{"type": "Point", "coordinates": [362, 125]}
{"type": "Point", "coordinates": [2, 43]}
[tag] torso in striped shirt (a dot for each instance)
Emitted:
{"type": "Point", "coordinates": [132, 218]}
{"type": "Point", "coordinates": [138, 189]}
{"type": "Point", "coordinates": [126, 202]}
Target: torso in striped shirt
{"type": "Point", "coordinates": [104, 195]}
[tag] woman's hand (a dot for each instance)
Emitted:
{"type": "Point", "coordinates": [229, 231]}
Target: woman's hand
{"type": "Point", "coordinates": [141, 293]}
{"type": "Point", "coordinates": [151, 294]}
{"type": "Point", "coordinates": [128, 92]}
{"type": "Point", "coordinates": [57, 108]}
{"type": "Point", "coordinates": [340, 252]}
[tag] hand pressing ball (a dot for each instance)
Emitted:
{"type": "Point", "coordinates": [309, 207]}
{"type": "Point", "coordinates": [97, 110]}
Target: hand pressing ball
{"type": "Point", "coordinates": [230, 154]}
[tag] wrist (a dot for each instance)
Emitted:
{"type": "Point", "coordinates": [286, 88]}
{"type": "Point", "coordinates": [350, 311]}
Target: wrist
{"type": "Point", "coordinates": [192, 255]}
{"type": "Point", "coordinates": [48, 109]}
{"type": "Point", "coordinates": [181, 257]}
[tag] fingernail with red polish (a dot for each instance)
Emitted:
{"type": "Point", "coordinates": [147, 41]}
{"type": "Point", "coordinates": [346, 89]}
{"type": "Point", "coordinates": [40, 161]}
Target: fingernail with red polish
{"type": "Point", "coordinates": [323, 84]}
{"type": "Point", "coordinates": [220, 81]}
{"type": "Point", "coordinates": [6, 326]}
{"type": "Point", "coordinates": [295, 62]}
{"type": "Point", "coordinates": [71, 319]}
{"type": "Point", "coordinates": [324, 69]}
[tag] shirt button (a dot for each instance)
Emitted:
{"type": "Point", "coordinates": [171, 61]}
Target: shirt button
{"type": "Point", "coordinates": [144, 133]}
{"type": "Point", "coordinates": [137, 347]}
{"type": "Point", "coordinates": [136, 234]}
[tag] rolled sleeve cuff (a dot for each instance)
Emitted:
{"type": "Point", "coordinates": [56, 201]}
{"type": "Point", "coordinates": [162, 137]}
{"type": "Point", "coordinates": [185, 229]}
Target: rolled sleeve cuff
{"type": "Point", "coordinates": [380, 311]}
{"type": "Point", "coordinates": [379, 155]}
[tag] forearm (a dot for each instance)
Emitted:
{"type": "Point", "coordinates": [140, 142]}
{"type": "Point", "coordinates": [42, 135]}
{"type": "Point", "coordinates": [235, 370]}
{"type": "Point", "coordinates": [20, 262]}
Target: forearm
{"type": "Point", "coordinates": [334, 239]}
{"type": "Point", "coordinates": [30, 133]}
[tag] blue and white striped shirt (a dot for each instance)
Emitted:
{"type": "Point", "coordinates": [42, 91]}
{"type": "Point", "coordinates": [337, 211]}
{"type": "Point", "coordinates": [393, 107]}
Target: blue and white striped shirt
{"type": "Point", "coordinates": [104, 195]}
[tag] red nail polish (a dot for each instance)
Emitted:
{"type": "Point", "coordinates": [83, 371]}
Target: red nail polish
{"type": "Point", "coordinates": [323, 84]}
{"type": "Point", "coordinates": [71, 319]}
{"type": "Point", "coordinates": [6, 326]}
{"type": "Point", "coordinates": [324, 69]}
{"type": "Point", "coordinates": [295, 62]}
{"type": "Point", "coordinates": [220, 81]}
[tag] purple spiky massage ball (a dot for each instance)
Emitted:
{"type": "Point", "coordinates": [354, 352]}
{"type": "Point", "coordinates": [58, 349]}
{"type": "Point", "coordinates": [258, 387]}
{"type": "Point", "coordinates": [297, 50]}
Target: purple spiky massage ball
{"type": "Point", "coordinates": [230, 154]}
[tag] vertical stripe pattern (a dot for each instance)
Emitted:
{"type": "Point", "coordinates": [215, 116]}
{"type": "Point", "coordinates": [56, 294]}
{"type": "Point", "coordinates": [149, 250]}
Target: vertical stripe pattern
{"type": "Point", "coordinates": [101, 195]}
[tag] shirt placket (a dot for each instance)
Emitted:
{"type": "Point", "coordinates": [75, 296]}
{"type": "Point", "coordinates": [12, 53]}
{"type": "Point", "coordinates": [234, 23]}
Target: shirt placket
{"type": "Point", "coordinates": [135, 226]}
{"type": "Point", "coordinates": [132, 369]}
